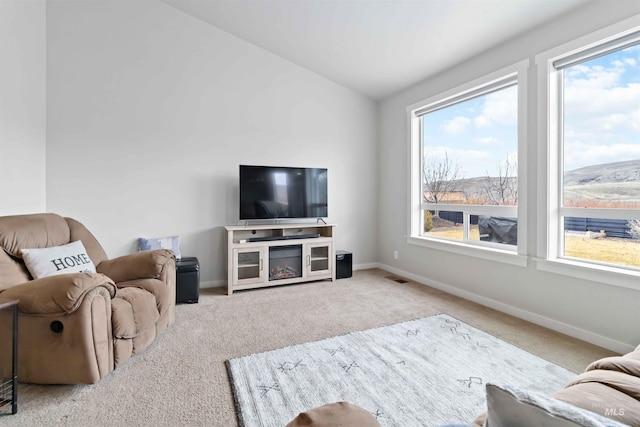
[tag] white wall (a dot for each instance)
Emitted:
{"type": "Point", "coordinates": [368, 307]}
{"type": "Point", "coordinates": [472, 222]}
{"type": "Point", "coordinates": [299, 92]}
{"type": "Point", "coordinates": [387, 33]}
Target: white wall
{"type": "Point", "coordinates": [22, 106]}
{"type": "Point", "coordinates": [151, 111]}
{"type": "Point", "coordinates": [600, 313]}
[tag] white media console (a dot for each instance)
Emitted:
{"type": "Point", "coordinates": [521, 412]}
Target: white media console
{"type": "Point", "coordinates": [280, 254]}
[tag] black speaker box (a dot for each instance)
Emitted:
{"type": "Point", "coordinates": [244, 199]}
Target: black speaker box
{"type": "Point", "coordinates": [187, 280]}
{"type": "Point", "coordinates": [344, 264]}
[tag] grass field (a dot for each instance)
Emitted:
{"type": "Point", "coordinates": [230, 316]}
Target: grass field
{"type": "Point", "coordinates": [615, 251]}
{"type": "Point", "coordinates": [611, 250]}
{"type": "Point", "coordinates": [454, 233]}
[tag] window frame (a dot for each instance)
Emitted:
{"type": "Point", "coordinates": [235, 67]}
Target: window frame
{"type": "Point", "coordinates": [550, 244]}
{"type": "Point", "coordinates": [484, 250]}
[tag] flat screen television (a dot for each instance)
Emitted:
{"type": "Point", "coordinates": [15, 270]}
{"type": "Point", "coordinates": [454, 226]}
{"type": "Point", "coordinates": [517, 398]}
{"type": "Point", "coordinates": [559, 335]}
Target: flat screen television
{"type": "Point", "coordinates": [272, 192]}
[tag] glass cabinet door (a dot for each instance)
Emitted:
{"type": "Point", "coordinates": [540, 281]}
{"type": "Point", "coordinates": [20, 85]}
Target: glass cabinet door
{"type": "Point", "coordinates": [249, 265]}
{"type": "Point", "coordinates": [318, 260]}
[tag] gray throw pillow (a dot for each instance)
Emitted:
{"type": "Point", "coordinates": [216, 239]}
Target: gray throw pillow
{"type": "Point", "coordinates": [171, 242]}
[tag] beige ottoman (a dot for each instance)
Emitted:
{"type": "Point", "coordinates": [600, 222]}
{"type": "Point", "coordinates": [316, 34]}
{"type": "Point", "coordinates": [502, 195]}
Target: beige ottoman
{"type": "Point", "coordinates": [339, 414]}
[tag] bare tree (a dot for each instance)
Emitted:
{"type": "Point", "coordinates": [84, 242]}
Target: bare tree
{"type": "Point", "coordinates": [439, 177]}
{"type": "Point", "coordinates": [503, 189]}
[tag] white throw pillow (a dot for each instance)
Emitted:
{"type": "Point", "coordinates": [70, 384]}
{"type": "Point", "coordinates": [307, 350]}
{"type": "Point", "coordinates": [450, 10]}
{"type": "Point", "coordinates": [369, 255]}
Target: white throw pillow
{"type": "Point", "coordinates": [509, 406]}
{"type": "Point", "coordinates": [69, 258]}
{"type": "Point", "coordinates": [171, 242]}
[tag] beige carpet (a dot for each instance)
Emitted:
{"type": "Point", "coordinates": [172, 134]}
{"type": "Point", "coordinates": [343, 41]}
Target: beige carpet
{"type": "Point", "coordinates": [181, 378]}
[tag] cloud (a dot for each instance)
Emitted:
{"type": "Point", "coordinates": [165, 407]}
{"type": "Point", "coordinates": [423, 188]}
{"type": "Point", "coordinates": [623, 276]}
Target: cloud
{"type": "Point", "coordinates": [470, 162]}
{"type": "Point", "coordinates": [482, 121]}
{"type": "Point", "coordinates": [602, 110]}
{"type": "Point", "coordinates": [457, 125]}
{"type": "Point", "coordinates": [580, 154]}
{"type": "Point", "coordinates": [489, 140]}
{"type": "Point", "coordinates": [468, 156]}
{"type": "Point", "coordinates": [499, 108]}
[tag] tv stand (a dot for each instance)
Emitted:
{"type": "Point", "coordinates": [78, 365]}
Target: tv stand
{"type": "Point", "coordinates": [279, 254]}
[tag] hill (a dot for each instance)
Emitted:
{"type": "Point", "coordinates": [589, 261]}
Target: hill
{"type": "Point", "coordinates": [618, 181]}
{"type": "Point", "coordinates": [606, 173]}
{"type": "Point", "coordinates": [606, 185]}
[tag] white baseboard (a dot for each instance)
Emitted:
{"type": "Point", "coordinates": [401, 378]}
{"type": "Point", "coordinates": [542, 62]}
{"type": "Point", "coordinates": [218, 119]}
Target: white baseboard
{"type": "Point", "coordinates": [564, 328]}
{"type": "Point", "coordinates": [367, 266]}
{"type": "Point", "coordinates": [214, 284]}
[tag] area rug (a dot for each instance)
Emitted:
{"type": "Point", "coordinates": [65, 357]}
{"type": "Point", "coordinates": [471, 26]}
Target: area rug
{"type": "Point", "coordinates": [425, 372]}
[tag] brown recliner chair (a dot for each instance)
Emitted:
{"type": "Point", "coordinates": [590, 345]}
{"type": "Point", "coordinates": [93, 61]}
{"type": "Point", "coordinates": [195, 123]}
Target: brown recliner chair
{"type": "Point", "coordinates": [76, 328]}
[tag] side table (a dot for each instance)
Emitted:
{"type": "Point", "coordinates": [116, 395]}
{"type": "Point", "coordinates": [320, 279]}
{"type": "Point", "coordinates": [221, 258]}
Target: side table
{"type": "Point", "coordinates": [9, 386]}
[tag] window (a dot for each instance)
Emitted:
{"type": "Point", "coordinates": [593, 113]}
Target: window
{"type": "Point", "coordinates": [593, 123]}
{"type": "Point", "coordinates": [465, 148]}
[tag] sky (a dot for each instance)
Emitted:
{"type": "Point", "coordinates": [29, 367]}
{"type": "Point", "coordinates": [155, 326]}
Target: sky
{"type": "Point", "coordinates": [602, 110]}
{"type": "Point", "coordinates": [602, 120]}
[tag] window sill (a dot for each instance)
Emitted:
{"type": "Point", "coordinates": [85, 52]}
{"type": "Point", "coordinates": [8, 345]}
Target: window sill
{"type": "Point", "coordinates": [490, 254]}
{"type": "Point", "coordinates": [592, 272]}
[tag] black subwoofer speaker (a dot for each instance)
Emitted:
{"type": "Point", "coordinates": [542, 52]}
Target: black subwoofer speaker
{"type": "Point", "coordinates": [344, 264]}
{"type": "Point", "coordinates": [187, 280]}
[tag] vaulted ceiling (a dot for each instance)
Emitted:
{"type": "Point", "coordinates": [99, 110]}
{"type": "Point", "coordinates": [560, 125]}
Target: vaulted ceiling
{"type": "Point", "coordinates": [376, 47]}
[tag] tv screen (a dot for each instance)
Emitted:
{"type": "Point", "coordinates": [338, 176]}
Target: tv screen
{"type": "Point", "coordinates": [270, 192]}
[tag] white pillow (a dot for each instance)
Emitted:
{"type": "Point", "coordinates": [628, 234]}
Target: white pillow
{"type": "Point", "coordinates": [171, 242]}
{"type": "Point", "coordinates": [509, 406]}
{"type": "Point", "coordinates": [69, 258]}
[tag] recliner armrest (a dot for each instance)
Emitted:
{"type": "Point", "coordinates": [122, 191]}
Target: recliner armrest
{"type": "Point", "coordinates": [57, 294]}
{"type": "Point", "coordinates": [139, 265]}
